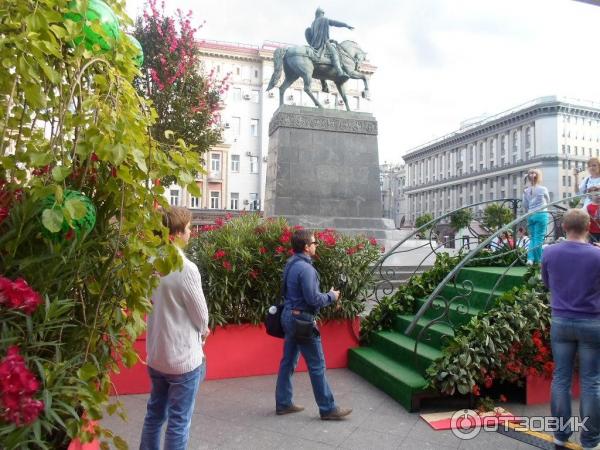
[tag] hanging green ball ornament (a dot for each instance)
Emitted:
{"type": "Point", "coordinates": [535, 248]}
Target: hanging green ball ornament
{"type": "Point", "coordinates": [97, 13]}
{"type": "Point", "coordinates": [139, 58]}
{"type": "Point", "coordinates": [78, 207]}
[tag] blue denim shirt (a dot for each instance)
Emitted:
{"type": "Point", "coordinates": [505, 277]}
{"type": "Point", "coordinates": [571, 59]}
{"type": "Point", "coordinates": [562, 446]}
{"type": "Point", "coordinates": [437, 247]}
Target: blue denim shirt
{"type": "Point", "coordinates": [302, 290]}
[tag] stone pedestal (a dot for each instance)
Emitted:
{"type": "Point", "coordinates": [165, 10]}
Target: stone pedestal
{"type": "Point", "coordinates": [323, 170]}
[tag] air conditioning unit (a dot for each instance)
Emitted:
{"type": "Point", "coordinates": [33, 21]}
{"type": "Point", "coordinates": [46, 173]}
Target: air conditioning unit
{"type": "Point", "coordinates": [271, 94]}
{"type": "Point", "coordinates": [246, 202]}
{"type": "Point", "coordinates": [290, 97]}
{"type": "Point", "coordinates": [227, 125]}
{"type": "Point", "coordinates": [248, 153]}
{"type": "Point", "coordinates": [340, 102]}
{"type": "Point", "coordinates": [246, 96]}
{"type": "Point", "coordinates": [327, 101]}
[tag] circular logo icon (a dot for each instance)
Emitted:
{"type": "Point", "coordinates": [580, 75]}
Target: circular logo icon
{"type": "Point", "coordinates": [465, 424]}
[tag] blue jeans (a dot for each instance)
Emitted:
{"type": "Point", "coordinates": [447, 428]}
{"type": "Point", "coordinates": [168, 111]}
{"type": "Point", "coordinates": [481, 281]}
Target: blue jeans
{"type": "Point", "coordinates": [536, 225]}
{"type": "Point", "coordinates": [172, 397]}
{"type": "Point", "coordinates": [569, 336]}
{"type": "Point", "coordinates": [313, 355]}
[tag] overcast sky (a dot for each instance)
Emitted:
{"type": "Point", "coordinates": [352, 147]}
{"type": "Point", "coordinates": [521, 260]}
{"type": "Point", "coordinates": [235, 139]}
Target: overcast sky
{"type": "Point", "coordinates": [439, 61]}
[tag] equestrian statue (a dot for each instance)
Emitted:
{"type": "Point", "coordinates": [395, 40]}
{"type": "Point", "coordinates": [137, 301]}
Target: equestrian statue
{"type": "Point", "coordinates": [323, 59]}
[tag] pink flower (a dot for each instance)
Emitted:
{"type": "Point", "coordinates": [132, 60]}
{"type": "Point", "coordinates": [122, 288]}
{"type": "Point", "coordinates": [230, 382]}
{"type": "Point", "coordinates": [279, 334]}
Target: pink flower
{"type": "Point", "coordinates": [19, 295]}
{"type": "Point", "coordinates": [227, 265]}
{"type": "Point", "coordinates": [262, 250]}
{"type": "Point", "coordinates": [373, 241]}
{"type": "Point", "coordinates": [280, 249]}
{"type": "Point", "coordinates": [219, 254]}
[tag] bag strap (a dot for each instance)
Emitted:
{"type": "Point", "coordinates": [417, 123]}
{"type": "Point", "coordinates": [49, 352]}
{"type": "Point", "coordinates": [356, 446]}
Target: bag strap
{"type": "Point", "coordinates": [284, 278]}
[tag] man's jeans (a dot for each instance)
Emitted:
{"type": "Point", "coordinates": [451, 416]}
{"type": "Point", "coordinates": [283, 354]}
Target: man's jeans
{"type": "Point", "coordinates": [537, 224]}
{"type": "Point", "coordinates": [313, 355]}
{"type": "Point", "coordinates": [569, 336]}
{"type": "Point", "coordinates": [172, 397]}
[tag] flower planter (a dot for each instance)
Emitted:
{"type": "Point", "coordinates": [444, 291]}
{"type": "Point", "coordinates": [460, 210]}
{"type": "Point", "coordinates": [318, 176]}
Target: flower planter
{"type": "Point", "coordinates": [538, 388]}
{"type": "Point", "coordinates": [245, 350]}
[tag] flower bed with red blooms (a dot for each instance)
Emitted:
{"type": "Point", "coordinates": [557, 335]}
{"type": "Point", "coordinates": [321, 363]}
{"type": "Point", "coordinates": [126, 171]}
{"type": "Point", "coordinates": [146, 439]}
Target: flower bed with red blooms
{"type": "Point", "coordinates": [509, 343]}
{"type": "Point", "coordinates": [242, 259]}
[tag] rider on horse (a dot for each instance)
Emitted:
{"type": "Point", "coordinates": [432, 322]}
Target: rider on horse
{"type": "Point", "coordinates": [318, 38]}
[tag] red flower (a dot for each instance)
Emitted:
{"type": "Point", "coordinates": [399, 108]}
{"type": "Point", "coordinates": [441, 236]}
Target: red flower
{"type": "Point", "coordinates": [19, 295]}
{"type": "Point", "coordinates": [219, 254]}
{"type": "Point", "coordinates": [94, 157]}
{"type": "Point", "coordinates": [227, 265]}
{"type": "Point", "coordinates": [503, 398]}
{"type": "Point", "coordinates": [254, 273]}
{"type": "Point", "coordinates": [476, 391]}
{"type": "Point", "coordinates": [383, 249]}
{"type": "Point", "coordinates": [373, 241]}
{"type": "Point", "coordinates": [290, 252]}
{"type": "Point", "coordinates": [549, 367]}
{"type": "Point", "coordinates": [488, 382]}
{"type": "Point", "coordinates": [17, 386]}
{"type": "Point", "coordinates": [286, 236]}
{"type": "Point", "coordinates": [4, 212]}
{"type": "Point", "coordinates": [228, 216]}
{"type": "Point", "coordinates": [280, 249]}
{"type": "Point", "coordinates": [532, 372]}
{"type": "Point", "coordinates": [351, 251]}
{"type": "Point", "coordinates": [70, 234]}
{"type": "Point", "coordinates": [360, 246]}
{"type": "Point", "coordinates": [113, 172]}
{"type": "Point", "coordinates": [262, 250]}
{"type": "Point", "coordinates": [219, 221]}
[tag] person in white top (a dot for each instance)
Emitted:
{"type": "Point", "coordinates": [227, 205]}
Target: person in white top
{"type": "Point", "coordinates": [177, 329]}
{"type": "Point", "coordinates": [590, 183]}
{"type": "Point", "coordinates": [536, 198]}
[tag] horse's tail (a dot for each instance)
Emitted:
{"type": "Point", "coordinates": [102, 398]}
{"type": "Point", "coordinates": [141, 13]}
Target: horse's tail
{"type": "Point", "coordinates": [278, 66]}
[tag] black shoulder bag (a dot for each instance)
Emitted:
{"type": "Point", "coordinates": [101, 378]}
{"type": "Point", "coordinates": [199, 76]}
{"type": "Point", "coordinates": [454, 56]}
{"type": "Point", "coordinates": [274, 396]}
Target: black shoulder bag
{"type": "Point", "coordinates": [273, 319]}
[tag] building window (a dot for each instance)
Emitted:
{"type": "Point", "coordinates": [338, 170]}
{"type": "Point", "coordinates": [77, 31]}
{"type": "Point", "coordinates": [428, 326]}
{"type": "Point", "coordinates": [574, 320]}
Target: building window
{"type": "Point", "coordinates": [253, 205]}
{"type": "Point", "coordinates": [174, 197]}
{"type": "Point", "coordinates": [237, 93]}
{"type": "Point", "coordinates": [254, 127]}
{"type": "Point", "coordinates": [254, 164]}
{"type": "Point", "coordinates": [528, 136]}
{"type": "Point", "coordinates": [235, 126]}
{"type": "Point", "coordinates": [215, 199]}
{"type": "Point", "coordinates": [237, 72]}
{"type": "Point", "coordinates": [235, 200]}
{"type": "Point", "coordinates": [194, 202]}
{"type": "Point", "coordinates": [255, 73]}
{"type": "Point", "coordinates": [235, 163]}
{"type": "Point", "coordinates": [564, 180]}
{"type": "Point", "coordinates": [254, 96]}
{"type": "Point", "coordinates": [215, 163]}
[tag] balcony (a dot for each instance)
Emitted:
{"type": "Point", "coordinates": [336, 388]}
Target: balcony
{"type": "Point", "coordinates": [214, 175]}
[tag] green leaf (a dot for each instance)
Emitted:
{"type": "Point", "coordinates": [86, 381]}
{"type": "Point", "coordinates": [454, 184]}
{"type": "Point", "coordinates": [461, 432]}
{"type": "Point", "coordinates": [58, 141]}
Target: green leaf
{"type": "Point", "coordinates": [194, 189]}
{"type": "Point", "coordinates": [37, 159]}
{"type": "Point", "coordinates": [59, 173]}
{"type": "Point", "coordinates": [120, 443]}
{"type": "Point", "coordinates": [169, 134]}
{"type": "Point", "coordinates": [52, 219]}
{"type": "Point", "coordinates": [58, 194]}
{"type": "Point", "coordinates": [140, 160]}
{"type": "Point", "coordinates": [35, 96]}
{"type": "Point", "coordinates": [87, 371]}
{"type": "Point", "coordinates": [119, 153]}
{"type": "Point", "coordinates": [76, 208]}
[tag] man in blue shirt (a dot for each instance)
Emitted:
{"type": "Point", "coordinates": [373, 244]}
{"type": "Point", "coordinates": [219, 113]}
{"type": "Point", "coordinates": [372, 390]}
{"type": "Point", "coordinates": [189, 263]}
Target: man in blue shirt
{"type": "Point", "coordinates": [303, 300]}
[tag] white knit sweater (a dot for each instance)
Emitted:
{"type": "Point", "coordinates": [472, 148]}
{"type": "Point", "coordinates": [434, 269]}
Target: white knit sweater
{"type": "Point", "coordinates": [177, 322]}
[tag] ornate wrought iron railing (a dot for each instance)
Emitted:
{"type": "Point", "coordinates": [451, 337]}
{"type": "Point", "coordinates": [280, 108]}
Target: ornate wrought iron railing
{"type": "Point", "coordinates": [442, 305]}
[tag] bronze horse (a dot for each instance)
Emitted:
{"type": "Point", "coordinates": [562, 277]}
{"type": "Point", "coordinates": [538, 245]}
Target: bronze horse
{"type": "Point", "coordinates": [298, 62]}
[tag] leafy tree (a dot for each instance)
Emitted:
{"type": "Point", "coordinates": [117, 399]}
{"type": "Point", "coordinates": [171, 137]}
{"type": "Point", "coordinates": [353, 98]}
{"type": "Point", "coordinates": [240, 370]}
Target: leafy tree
{"type": "Point", "coordinates": [187, 102]}
{"type": "Point", "coordinates": [496, 216]}
{"type": "Point", "coordinates": [79, 234]}
{"type": "Point", "coordinates": [461, 219]}
{"type": "Point", "coordinates": [422, 220]}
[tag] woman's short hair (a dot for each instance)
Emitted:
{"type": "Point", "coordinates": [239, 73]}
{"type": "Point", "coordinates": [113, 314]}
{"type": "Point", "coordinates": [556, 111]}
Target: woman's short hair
{"type": "Point", "coordinates": [176, 218]}
{"type": "Point", "coordinates": [593, 160]}
{"type": "Point", "coordinates": [576, 220]}
{"type": "Point", "coordinates": [300, 239]}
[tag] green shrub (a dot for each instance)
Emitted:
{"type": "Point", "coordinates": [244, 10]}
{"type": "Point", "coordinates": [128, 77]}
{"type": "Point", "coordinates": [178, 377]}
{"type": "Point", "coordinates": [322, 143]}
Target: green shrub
{"type": "Point", "coordinates": [242, 260]}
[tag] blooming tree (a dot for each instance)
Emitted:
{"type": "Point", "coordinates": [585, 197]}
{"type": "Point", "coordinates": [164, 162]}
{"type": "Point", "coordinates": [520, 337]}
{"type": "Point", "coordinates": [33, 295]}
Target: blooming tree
{"type": "Point", "coordinates": [187, 102]}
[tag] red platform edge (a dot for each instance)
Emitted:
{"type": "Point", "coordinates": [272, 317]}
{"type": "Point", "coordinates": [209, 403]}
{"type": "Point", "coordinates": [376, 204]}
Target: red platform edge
{"type": "Point", "coordinates": [235, 351]}
{"type": "Point", "coordinates": [538, 389]}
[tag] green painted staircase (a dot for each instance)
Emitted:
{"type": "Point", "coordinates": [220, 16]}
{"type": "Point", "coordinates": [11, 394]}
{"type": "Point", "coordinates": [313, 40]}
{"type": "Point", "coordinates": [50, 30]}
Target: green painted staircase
{"type": "Point", "coordinates": [390, 362]}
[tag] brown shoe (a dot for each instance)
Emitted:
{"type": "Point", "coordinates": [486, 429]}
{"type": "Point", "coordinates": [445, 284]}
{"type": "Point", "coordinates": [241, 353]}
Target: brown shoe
{"type": "Point", "coordinates": [289, 410]}
{"type": "Point", "coordinates": [337, 414]}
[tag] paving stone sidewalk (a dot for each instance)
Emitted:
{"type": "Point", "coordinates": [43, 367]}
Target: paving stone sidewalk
{"type": "Point", "coordinates": [240, 414]}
